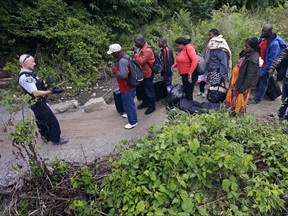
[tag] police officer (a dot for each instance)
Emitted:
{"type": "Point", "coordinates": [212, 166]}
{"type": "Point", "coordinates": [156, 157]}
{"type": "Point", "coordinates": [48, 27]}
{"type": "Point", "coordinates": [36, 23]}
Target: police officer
{"type": "Point", "coordinates": [46, 121]}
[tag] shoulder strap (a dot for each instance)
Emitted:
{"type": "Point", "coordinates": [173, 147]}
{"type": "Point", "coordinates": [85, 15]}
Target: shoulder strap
{"type": "Point", "coordinates": [188, 55]}
{"type": "Point", "coordinates": [126, 57]}
{"type": "Point", "coordinates": [154, 57]}
{"type": "Point", "coordinates": [29, 73]}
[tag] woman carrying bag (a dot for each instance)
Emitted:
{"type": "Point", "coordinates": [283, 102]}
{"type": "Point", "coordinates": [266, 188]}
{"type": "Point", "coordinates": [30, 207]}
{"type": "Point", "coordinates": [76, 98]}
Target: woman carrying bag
{"type": "Point", "coordinates": [245, 75]}
{"type": "Point", "coordinates": [186, 63]}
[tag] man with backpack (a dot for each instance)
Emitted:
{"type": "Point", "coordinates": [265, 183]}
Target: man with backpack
{"type": "Point", "coordinates": [284, 99]}
{"type": "Point", "coordinates": [121, 69]}
{"type": "Point", "coordinates": [167, 59]}
{"type": "Point", "coordinates": [271, 45]}
{"type": "Point", "coordinates": [46, 121]}
{"type": "Point", "coordinates": [145, 57]}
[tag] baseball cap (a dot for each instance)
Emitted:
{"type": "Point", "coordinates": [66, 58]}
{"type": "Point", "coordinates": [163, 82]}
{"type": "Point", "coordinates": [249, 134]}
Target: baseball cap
{"type": "Point", "coordinates": [114, 48]}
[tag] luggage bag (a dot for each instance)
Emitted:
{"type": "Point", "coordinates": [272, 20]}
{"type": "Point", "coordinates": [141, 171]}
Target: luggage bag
{"type": "Point", "coordinates": [159, 88]}
{"type": "Point", "coordinates": [273, 90]}
{"type": "Point", "coordinates": [118, 101]}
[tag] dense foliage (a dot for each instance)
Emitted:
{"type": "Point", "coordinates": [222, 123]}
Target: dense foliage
{"type": "Point", "coordinates": [70, 38]}
{"type": "Point", "coordinates": [205, 164]}
{"type": "Point", "coordinates": [202, 165]}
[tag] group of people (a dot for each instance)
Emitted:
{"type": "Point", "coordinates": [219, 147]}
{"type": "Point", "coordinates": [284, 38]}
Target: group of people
{"type": "Point", "coordinates": [252, 70]}
{"type": "Point", "coordinates": [145, 57]}
{"type": "Point", "coordinates": [256, 63]}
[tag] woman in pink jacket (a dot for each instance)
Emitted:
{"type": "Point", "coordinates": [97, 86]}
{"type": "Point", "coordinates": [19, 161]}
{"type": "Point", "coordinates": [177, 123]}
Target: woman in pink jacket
{"type": "Point", "coordinates": [186, 63]}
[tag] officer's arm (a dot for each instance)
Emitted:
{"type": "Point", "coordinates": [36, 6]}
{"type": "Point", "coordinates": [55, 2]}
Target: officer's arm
{"type": "Point", "coordinates": [39, 93]}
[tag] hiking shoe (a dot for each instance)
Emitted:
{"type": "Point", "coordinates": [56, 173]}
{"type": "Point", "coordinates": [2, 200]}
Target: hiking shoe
{"type": "Point", "coordinates": [61, 141]}
{"type": "Point", "coordinates": [141, 106]}
{"type": "Point", "coordinates": [129, 126]}
{"type": "Point", "coordinates": [124, 115]}
{"type": "Point", "coordinates": [253, 102]}
{"type": "Point", "coordinates": [149, 111]}
{"type": "Point", "coordinates": [275, 115]}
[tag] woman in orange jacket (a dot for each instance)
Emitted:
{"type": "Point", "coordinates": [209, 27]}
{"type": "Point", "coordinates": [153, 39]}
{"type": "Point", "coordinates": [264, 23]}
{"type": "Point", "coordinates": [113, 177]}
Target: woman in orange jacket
{"type": "Point", "coordinates": [186, 63]}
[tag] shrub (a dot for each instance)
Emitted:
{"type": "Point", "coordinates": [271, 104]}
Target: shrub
{"type": "Point", "coordinates": [202, 165]}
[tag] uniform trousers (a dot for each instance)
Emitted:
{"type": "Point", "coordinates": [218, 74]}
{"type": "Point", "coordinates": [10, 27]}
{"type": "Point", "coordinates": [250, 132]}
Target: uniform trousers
{"type": "Point", "coordinates": [47, 122]}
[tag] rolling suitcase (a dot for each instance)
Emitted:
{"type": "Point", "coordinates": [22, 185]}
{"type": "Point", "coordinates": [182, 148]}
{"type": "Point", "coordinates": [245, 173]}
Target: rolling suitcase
{"type": "Point", "coordinates": [273, 90]}
{"type": "Point", "coordinates": [118, 101]}
{"type": "Point", "coordinates": [159, 88]}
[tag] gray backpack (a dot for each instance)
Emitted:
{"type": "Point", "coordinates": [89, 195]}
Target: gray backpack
{"type": "Point", "coordinates": [135, 76]}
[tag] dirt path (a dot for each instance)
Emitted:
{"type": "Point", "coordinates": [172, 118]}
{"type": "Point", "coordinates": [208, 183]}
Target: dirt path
{"type": "Point", "coordinates": [92, 135]}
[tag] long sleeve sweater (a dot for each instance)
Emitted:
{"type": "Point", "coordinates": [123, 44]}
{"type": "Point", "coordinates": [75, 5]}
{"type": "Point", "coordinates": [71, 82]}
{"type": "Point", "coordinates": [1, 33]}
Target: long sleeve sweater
{"type": "Point", "coordinates": [186, 60]}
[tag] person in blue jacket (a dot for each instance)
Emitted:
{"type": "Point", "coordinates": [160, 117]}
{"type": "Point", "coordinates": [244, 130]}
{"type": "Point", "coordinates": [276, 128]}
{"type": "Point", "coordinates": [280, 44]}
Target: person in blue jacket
{"type": "Point", "coordinates": [271, 45]}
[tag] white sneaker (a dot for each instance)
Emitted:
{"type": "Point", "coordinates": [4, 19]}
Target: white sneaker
{"type": "Point", "coordinates": [203, 95]}
{"type": "Point", "coordinates": [129, 126]}
{"type": "Point", "coordinates": [199, 93]}
{"type": "Point", "coordinates": [124, 115]}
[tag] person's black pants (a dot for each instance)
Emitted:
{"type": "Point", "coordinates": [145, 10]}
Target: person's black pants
{"type": "Point", "coordinates": [187, 86]}
{"type": "Point", "coordinates": [202, 86]}
{"type": "Point", "coordinates": [149, 97]}
{"type": "Point", "coordinates": [47, 123]}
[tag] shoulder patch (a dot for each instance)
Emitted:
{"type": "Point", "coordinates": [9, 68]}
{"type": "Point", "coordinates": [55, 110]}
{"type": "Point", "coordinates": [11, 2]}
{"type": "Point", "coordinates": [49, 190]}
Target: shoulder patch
{"type": "Point", "coordinates": [29, 80]}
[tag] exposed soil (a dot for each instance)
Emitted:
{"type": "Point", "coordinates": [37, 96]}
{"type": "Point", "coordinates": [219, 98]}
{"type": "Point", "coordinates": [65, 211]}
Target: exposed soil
{"type": "Point", "coordinates": [95, 134]}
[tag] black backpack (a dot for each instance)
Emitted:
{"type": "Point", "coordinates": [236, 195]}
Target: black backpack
{"type": "Point", "coordinates": [282, 68]}
{"type": "Point", "coordinates": [135, 76]}
{"type": "Point", "coordinates": [157, 67]}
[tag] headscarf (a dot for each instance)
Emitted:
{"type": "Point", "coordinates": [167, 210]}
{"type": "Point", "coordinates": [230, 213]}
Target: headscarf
{"type": "Point", "coordinates": [182, 41]}
{"type": "Point", "coordinates": [253, 43]}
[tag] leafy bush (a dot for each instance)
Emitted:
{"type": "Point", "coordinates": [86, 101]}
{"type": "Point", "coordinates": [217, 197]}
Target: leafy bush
{"type": "Point", "coordinates": [63, 39]}
{"type": "Point", "coordinates": [234, 24]}
{"type": "Point", "coordinates": [202, 165]}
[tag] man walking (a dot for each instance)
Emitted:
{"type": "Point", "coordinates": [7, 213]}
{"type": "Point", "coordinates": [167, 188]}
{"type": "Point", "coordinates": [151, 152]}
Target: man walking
{"type": "Point", "coordinates": [121, 69]}
{"type": "Point", "coordinates": [270, 47]}
{"type": "Point", "coordinates": [145, 57]}
{"type": "Point", "coordinates": [46, 121]}
{"type": "Point", "coordinates": [284, 99]}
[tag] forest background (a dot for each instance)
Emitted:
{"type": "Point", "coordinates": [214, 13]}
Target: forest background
{"type": "Point", "coordinates": [241, 172]}
{"type": "Point", "coordinates": [70, 38]}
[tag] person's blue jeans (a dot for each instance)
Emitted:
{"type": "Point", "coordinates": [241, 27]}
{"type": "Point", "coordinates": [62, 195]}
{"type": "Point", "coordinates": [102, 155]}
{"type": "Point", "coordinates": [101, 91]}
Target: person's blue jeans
{"type": "Point", "coordinates": [129, 106]}
{"type": "Point", "coordinates": [284, 98]}
{"type": "Point", "coordinates": [261, 88]}
{"type": "Point", "coordinates": [149, 98]}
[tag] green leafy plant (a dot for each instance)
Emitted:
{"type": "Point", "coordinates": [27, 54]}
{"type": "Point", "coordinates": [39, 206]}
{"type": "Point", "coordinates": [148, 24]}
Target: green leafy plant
{"type": "Point", "coordinates": [85, 181]}
{"type": "Point", "coordinates": [201, 165]}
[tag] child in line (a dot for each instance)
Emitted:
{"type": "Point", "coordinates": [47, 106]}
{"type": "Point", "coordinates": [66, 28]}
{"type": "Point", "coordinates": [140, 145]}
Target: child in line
{"type": "Point", "coordinates": [202, 82]}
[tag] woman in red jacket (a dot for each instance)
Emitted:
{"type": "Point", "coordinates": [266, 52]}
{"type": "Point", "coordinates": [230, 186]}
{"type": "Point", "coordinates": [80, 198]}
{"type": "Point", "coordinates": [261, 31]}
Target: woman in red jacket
{"type": "Point", "coordinates": [186, 63]}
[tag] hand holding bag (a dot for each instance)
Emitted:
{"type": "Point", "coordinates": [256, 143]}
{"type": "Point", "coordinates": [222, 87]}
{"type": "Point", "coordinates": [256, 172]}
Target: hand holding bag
{"type": "Point", "coordinates": [217, 94]}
